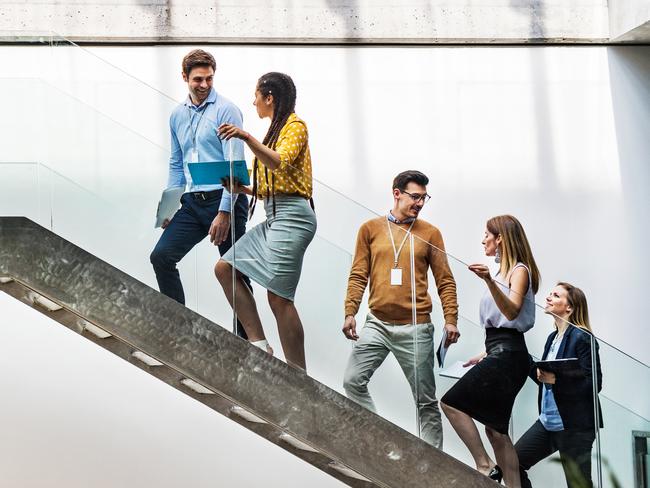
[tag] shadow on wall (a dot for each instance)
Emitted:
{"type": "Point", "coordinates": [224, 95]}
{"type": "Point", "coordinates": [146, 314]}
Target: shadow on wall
{"type": "Point", "coordinates": [546, 160]}
{"type": "Point", "coordinates": [356, 103]}
{"type": "Point", "coordinates": [629, 71]}
{"type": "Point", "coordinates": [534, 10]}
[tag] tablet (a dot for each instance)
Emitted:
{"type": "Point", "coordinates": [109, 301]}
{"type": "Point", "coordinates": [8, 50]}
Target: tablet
{"type": "Point", "coordinates": [455, 370]}
{"type": "Point", "coordinates": [558, 365]}
{"type": "Point", "coordinates": [170, 202]}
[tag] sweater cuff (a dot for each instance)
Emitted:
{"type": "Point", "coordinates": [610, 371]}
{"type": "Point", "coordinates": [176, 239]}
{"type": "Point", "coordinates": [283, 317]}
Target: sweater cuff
{"type": "Point", "coordinates": [351, 310]}
{"type": "Point", "coordinates": [451, 319]}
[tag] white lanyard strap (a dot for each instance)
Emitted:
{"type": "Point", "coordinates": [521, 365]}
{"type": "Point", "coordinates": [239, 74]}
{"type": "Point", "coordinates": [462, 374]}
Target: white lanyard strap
{"type": "Point", "coordinates": [193, 129]}
{"type": "Point", "coordinates": [396, 252]}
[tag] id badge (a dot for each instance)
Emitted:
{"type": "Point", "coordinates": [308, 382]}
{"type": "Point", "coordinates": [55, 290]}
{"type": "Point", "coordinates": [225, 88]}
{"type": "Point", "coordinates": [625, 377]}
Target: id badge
{"type": "Point", "coordinates": [396, 276]}
{"type": "Point", "coordinates": [194, 156]}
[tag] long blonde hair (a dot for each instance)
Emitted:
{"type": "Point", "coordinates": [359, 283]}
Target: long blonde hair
{"type": "Point", "coordinates": [578, 301]}
{"type": "Point", "coordinates": [514, 246]}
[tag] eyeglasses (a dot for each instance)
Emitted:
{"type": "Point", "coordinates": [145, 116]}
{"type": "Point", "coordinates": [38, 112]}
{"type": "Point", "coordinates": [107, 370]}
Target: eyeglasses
{"type": "Point", "coordinates": [416, 197]}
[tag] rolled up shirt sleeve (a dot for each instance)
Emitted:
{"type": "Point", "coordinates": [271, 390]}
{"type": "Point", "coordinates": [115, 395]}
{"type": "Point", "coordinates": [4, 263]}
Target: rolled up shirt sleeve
{"type": "Point", "coordinates": [176, 173]}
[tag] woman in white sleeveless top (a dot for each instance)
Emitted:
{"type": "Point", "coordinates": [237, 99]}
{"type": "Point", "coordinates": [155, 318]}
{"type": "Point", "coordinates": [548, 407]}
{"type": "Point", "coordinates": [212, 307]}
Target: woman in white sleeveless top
{"type": "Point", "coordinates": [487, 392]}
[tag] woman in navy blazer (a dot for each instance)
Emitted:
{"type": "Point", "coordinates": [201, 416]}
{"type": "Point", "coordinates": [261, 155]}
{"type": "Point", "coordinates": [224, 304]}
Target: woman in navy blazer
{"type": "Point", "coordinates": [565, 399]}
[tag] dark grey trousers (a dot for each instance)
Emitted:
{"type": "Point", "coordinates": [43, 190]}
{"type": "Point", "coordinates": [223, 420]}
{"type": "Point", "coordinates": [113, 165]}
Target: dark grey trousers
{"type": "Point", "coordinates": [574, 446]}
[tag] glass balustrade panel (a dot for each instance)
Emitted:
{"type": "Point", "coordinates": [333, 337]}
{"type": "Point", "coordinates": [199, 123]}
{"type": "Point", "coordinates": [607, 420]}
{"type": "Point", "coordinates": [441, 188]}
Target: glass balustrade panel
{"type": "Point", "coordinates": [19, 195]}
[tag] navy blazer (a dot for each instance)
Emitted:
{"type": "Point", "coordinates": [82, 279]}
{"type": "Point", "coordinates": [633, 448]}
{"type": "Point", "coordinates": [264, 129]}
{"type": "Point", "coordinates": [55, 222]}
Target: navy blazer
{"type": "Point", "coordinates": [573, 391]}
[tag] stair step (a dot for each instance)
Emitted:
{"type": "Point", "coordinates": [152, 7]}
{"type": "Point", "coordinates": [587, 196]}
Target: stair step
{"type": "Point", "coordinates": [93, 329]}
{"type": "Point", "coordinates": [289, 439]}
{"type": "Point", "coordinates": [197, 387]}
{"type": "Point", "coordinates": [40, 300]}
{"type": "Point", "coordinates": [343, 469]}
{"type": "Point", "coordinates": [246, 415]}
{"type": "Point", "coordinates": [146, 359]}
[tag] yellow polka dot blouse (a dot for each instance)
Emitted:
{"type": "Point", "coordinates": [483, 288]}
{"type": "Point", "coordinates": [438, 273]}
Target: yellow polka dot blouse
{"type": "Point", "coordinates": [293, 176]}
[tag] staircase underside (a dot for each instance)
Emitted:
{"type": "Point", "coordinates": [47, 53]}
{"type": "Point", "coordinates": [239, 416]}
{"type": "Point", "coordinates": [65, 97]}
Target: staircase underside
{"type": "Point", "coordinates": [123, 315]}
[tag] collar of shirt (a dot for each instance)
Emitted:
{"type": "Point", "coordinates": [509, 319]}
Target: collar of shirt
{"type": "Point", "coordinates": [392, 218]}
{"type": "Point", "coordinates": [212, 97]}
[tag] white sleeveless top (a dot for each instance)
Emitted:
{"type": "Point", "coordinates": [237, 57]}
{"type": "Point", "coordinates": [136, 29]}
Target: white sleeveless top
{"type": "Point", "coordinates": [491, 316]}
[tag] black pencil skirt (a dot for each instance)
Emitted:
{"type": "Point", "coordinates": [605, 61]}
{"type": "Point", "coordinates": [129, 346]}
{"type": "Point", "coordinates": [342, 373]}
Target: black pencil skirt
{"type": "Point", "coordinates": [487, 392]}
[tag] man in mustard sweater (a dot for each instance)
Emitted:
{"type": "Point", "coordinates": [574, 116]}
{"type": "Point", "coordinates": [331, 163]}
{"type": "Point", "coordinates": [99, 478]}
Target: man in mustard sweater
{"type": "Point", "coordinates": [383, 258]}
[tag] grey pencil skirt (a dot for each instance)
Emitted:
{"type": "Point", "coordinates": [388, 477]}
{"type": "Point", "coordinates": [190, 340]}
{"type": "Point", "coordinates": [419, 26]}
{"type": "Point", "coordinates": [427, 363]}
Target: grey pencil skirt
{"type": "Point", "coordinates": [271, 253]}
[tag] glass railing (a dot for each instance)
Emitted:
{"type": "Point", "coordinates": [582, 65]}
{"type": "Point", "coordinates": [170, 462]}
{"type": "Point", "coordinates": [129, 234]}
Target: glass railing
{"type": "Point", "coordinates": [625, 402]}
{"type": "Point", "coordinates": [93, 173]}
{"type": "Point", "coordinates": [20, 195]}
{"type": "Point", "coordinates": [124, 240]}
{"type": "Point", "coordinates": [83, 75]}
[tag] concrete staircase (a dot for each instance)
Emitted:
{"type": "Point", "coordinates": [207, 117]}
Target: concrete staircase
{"type": "Point", "coordinates": [213, 366]}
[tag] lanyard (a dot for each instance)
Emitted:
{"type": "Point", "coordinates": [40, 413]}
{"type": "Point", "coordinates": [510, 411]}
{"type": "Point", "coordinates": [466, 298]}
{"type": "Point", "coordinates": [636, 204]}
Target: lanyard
{"type": "Point", "coordinates": [193, 129]}
{"type": "Point", "coordinates": [397, 252]}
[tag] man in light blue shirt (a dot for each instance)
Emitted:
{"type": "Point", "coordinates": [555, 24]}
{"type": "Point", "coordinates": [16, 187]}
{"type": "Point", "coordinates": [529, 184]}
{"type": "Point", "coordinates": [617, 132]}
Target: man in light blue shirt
{"type": "Point", "coordinates": [205, 209]}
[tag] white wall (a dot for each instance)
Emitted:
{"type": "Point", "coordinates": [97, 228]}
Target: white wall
{"type": "Point", "coordinates": [627, 18]}
{"type": "Point", "coordinates": [556, 135]}
{"type": "Point", "coordinates": [77, 416]}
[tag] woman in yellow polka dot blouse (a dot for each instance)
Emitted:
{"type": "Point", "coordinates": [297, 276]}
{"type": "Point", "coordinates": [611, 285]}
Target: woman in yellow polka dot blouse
{"type": "Point", "coordinates": [271, 253]}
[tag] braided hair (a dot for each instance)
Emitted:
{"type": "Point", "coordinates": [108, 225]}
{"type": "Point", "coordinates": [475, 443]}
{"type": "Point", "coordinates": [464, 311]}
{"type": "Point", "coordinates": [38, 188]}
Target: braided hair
{"type": "Point", "coordinates": [283, 90]}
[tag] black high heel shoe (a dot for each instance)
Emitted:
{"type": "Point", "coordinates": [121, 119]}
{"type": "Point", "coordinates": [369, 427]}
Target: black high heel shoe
{"type": "Point", "coordinates": [496, 474]}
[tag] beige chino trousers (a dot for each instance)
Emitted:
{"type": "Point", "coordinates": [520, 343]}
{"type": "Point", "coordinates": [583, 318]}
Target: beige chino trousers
{"type": "Point", "coordinates": [376, 340]}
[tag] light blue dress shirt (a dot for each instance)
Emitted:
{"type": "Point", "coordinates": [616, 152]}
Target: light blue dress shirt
{"type": "Point", "coordinates": [194, 128]}
{"type": "Point", "coordinates": [550, 415]}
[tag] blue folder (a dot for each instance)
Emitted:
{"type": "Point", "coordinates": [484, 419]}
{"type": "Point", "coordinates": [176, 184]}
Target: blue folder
{"type": "Point", "coordinates": [212, 172]}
